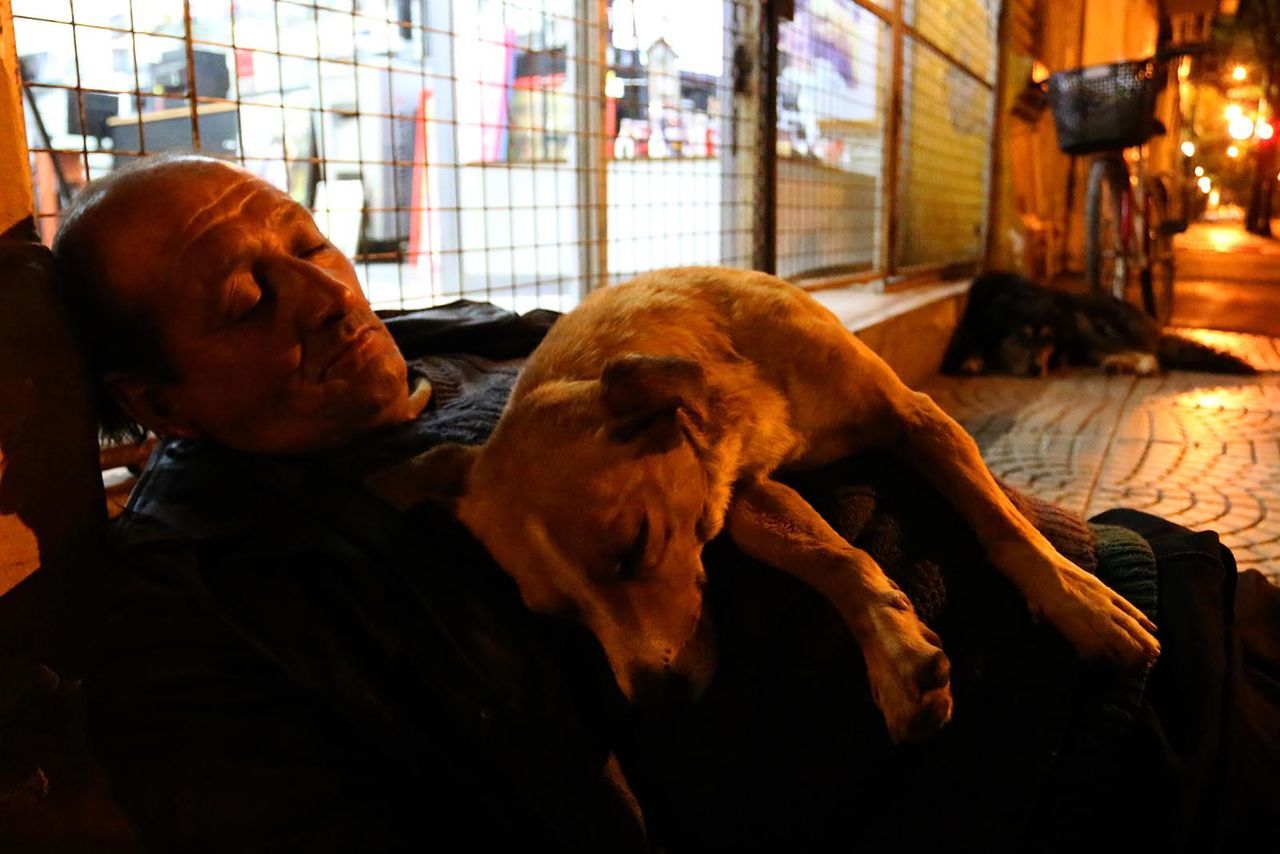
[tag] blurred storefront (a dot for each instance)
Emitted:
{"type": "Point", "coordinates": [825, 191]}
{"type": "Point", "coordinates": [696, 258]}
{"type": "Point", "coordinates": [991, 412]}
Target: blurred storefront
{"type": "Point", "coordinates": [527, 152]}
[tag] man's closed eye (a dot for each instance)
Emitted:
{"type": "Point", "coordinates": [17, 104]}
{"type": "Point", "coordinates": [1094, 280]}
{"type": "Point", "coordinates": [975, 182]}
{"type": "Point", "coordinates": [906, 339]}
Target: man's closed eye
{"type": "Point", "coordinates": [245, 297]}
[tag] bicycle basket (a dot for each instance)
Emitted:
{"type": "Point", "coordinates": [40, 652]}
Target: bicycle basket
{"type": "Point", "coordinates": [1104, 107]}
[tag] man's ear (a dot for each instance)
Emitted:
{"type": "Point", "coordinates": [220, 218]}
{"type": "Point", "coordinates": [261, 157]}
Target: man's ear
{"type": "Point", "coordinates": [149, 403]}
{"type": "Point", "coordinates": [645, 393]}
{"type": "Point", "coordinates": [438, 476]}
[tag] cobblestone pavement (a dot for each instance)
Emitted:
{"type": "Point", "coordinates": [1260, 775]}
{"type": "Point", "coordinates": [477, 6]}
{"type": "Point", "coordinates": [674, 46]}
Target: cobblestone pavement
{"type": "Point", "coordinates": [1200, 449]}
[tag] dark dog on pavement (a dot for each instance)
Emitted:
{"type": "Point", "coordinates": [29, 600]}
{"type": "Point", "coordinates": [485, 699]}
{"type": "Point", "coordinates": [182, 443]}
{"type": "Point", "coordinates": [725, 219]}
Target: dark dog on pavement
{"type": "Point", "coordinates": [1011, 325]}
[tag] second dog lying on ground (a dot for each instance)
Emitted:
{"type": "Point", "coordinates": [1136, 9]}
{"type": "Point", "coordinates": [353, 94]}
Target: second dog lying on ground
{"type": "Point", "coordinates": [1012, 325]}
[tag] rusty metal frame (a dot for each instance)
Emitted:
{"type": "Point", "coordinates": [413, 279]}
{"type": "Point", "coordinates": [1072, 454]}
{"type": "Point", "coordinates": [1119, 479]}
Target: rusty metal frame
{"type": "Point", "coordinates": [995, 171]}
{"type": "Point", "coordinates": [765, 250]}
{"type": "Point", "coordinates": [590, 162]}
{"type": "Point", "coordinates": [892, 144]}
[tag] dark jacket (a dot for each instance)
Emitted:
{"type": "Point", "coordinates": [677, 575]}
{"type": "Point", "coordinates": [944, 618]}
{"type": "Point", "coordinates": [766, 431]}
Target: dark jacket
{"type": "Point", "coordinates": [286, 663]}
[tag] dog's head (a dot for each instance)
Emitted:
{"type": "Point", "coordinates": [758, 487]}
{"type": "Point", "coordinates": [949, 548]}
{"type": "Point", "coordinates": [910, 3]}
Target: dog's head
{"type": "Point", "coordinates": [1025, 349]}
{"type": "Point", "coordinates": [1011, 326]}
{"type": "Point", "coordinates": [596, 497]}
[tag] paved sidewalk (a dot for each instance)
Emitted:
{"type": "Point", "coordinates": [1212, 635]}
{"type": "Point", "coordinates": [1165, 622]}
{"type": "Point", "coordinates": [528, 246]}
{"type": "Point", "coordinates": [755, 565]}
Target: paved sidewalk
{"type": "Point", "coordinates": [1227, 279]}
{"type": "Point", "coordinates": [1200, 449]}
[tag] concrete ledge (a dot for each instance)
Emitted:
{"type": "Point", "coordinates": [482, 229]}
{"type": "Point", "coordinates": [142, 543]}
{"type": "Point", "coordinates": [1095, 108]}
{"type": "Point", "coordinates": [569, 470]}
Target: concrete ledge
{"type": "Point", "coordinates": [910, 329]}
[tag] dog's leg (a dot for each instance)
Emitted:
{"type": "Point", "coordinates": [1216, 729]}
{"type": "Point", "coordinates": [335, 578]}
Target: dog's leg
{"type": "Point", "coordinates": [1100, 623]}
{"type": "Point", "coordinates": [908, 672]}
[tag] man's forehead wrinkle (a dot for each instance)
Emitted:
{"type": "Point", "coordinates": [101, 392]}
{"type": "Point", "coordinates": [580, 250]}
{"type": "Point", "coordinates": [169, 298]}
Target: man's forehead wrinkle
{"type": "Point", "coordinates": [221, 208]}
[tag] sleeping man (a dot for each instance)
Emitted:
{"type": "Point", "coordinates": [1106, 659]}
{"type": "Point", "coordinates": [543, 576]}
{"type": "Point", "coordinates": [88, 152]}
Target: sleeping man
{"type": "Point", "coordinates": [284, 662]}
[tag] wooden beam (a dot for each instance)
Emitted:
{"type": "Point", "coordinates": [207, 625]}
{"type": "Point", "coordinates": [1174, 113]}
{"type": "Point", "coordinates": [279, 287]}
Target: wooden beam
{"type": "Point", "coordinates": [51, 498]}
{"type": "Point", "coordinates": [16, 202]}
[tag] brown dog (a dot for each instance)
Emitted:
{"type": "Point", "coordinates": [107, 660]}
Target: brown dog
{"type": "Point", "coordinates": [655, 414]}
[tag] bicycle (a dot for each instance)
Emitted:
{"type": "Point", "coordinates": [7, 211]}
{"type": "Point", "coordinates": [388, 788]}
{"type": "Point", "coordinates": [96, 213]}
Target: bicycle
{"type": "Point", "coordinates": [1106, 111]}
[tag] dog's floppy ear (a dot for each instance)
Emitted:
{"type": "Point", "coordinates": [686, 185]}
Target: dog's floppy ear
{"type": "Point", "coordinates": [645, 393]}
{"type": "Point", "coordinates": [438, 476]}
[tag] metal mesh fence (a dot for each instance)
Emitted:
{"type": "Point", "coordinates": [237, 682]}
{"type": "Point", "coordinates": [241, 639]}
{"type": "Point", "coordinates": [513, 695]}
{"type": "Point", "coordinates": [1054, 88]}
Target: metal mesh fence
{"type": "Point", "coordinates": [944, 162]}
{"type": "Point", "coordinates": [526, 151]}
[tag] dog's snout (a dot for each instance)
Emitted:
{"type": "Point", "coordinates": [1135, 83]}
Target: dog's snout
{"type": "Point", "coordinates": [667, 675]}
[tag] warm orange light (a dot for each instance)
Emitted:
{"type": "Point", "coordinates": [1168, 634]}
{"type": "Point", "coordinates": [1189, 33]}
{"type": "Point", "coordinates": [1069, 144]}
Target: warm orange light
{"type": "Point", "coordinates": [1207, 400]}
{"type": "Point", "coordinates": [1265, 130]}
{"type": "Point", "coordinates": [1239, 73]}
{"type": "Point", "coordinates": [1214, 198]}
{"type": "Point", "coordinates": [1188, 148]}
{"type": "Point", "coordinates": [1234, 111]}
{"type": "Point", "coordinates": [1039, 72]}
{"type": "Point", "coordinates": [1233, 151]}
{"type": "Point", "coordinates": [1204, 184]}
{"type": "Point", "coordinates": [1199, 171]}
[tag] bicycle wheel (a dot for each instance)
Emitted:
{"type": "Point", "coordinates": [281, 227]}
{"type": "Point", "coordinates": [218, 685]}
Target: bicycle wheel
{"type": "Point", "coordinates": [1106, 261]}
{"type": "Point", "coordinates": [1157, 277]}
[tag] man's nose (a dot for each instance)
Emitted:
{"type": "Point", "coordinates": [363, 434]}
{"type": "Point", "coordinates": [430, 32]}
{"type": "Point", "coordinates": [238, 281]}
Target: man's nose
{"type": "Point", "coordinates": [317, 298]}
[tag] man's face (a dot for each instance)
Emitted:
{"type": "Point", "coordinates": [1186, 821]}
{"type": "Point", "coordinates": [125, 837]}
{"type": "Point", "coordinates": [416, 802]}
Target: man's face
{"type": "Point", "coordinates": [270, 343]}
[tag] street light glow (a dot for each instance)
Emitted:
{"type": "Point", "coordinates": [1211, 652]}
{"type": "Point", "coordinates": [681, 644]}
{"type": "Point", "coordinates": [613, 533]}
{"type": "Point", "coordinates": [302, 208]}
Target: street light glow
{"type": "Point", "coordinates": [1239, 73]}
{"type": "Point", "coordinates": [1199, 171]}
{"type": "Point", "coordinates": [1204, 184]}
{"type": "Point", "coordinates": [1265, 130]}
{"type": "Point", "coordinates": [1188, 148]}
{"type": "Point", "coordinates": [1234, 112]}
{"type": "Point", "coordinates": [1233, 151]}
{"type": "Point", "coordinates": [1214, 198]}
{"type": "Point", "coordinates": [1240, 128]}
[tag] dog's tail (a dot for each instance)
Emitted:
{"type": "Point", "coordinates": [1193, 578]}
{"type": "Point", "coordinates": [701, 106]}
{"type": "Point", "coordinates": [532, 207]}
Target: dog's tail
{"type": "Point", "coordinates": [1184, 354]}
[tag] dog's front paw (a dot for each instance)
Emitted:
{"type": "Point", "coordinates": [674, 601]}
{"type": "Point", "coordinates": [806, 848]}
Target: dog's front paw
{"type": "Point", "coordinates": [910, 675]}
{"type": "Point", "coordinates": [1101, 624]}
{"type": "Point", "coordinates": [1137, 363]}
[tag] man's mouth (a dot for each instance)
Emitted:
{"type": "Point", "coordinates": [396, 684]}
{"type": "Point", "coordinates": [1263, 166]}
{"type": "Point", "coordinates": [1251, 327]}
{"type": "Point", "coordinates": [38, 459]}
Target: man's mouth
{"type": "Point", "coordinates": [351, 352]}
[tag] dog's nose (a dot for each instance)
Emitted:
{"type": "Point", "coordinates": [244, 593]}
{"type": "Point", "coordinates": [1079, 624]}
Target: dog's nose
{"type": "Point", "coordinates": [660, 689]}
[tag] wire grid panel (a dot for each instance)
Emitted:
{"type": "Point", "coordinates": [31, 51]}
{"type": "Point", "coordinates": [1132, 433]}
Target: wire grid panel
{"type": "Point", "coordinates": [433, 141]}
{"type": "Point", "coordinates": [944, 160]}
{"type": "Point", "coordinates": [444, 145]}
{"type": "Point", "coordinates": [679, 164]}
{"type": "Point", "coordinates": [518, 151]}
{"type": "Point", "coordinates": [965, 30]}
{"type": "Point", "coordinates": [436, 142]}
{"type": "Point", "coordinates": [834, 74]}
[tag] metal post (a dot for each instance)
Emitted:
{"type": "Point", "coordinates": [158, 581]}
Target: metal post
{"type": "Point", "coordinates": [592, 178]}
{"type": "Point", "coordinates": [892, 144]}
{"type": "Point", "coordinates": [999, 127]}
{"type": "Point", "coordinates": [193, 103]}
{"type": "Point", "coordinates": [764, 254]}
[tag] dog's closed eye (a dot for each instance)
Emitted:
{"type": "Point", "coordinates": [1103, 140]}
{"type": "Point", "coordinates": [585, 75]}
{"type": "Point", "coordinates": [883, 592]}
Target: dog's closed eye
{"type": "Point", "coordinates": [631, 561]}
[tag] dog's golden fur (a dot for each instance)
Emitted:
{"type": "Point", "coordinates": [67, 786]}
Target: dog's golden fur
{"type": "Point", "coordinates": [655, 415]}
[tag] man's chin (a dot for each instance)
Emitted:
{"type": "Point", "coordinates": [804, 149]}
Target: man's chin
{"type": "Point", "coordinates": [379, 394]}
